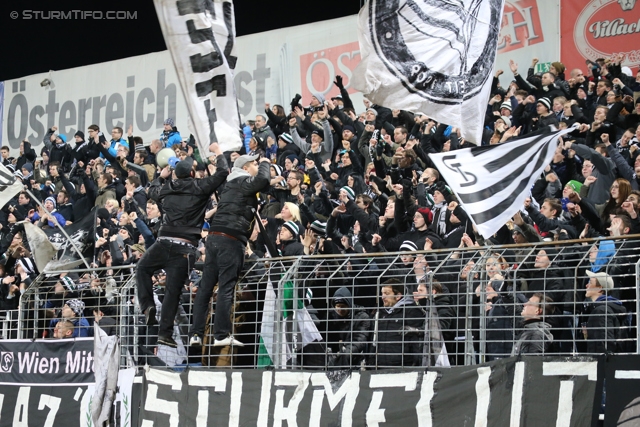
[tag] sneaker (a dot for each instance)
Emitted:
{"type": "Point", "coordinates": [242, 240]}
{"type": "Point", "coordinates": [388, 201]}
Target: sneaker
{"type": "Point", "coordinates": [168, 341]}
{"type": "Point", "coordinates": [150, 316]}
{"type": "Point", "coordinates": [195, 341]}
{"type": "Point", "coordinates": [230, 340]}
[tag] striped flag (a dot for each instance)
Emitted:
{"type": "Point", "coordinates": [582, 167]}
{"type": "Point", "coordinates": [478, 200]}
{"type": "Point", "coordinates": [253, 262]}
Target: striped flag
{"type": "Point", "coordinates": [9, 186]}
{"type": "Point", "coordinates": [491, 182]}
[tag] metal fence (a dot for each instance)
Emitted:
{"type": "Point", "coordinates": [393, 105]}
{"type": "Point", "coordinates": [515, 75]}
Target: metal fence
{"type": "Point", "coordinates": [447, 307]}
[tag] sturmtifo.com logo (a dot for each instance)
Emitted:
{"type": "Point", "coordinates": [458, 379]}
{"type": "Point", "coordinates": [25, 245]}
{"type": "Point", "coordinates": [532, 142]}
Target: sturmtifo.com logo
{"type": "Point", "coordinates": [6, 361]}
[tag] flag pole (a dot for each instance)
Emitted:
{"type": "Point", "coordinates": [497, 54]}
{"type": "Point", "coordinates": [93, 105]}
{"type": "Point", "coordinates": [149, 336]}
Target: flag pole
{"type": "Point", "coordinates": [55, 221]}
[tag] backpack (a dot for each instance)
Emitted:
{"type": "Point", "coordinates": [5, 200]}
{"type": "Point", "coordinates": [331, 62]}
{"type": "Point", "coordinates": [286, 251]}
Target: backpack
{"type": "Point", "coordinates": [622, 325]}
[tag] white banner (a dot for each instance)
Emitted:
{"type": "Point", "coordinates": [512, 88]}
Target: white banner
{"type": "Point", "coordinates": [272, 67]}
{"type": "Point", "coordinates": [201, 38]}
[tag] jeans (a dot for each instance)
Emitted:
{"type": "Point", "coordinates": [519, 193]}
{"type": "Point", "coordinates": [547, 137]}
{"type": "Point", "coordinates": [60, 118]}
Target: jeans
{"type": "Point", "coordinates": [176, 260]}
{"type": "Point", "coordinates": [223, 264]}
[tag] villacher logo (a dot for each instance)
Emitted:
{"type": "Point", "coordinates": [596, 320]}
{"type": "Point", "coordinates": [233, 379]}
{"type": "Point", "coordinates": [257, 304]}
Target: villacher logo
{"type": "Point", "coordinates": [6, 361]}
{"type": "Point", "coordinates": [463, 33]}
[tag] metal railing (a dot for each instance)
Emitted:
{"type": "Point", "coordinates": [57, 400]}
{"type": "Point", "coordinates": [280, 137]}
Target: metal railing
{"type": "Point", "coordinates": [468, 308]}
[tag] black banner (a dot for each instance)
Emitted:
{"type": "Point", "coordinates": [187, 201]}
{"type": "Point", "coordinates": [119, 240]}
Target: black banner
{"type": "Point", "coordinates": [622, 391]}
{"type": "Point", "coordinates": [45, 382]}
{"type": "Point", "coordinates": [82, 232]}
{"type": "Point", "coordinates": [46, 362]}
{"type": "Point", "coordinates": [537, 391]}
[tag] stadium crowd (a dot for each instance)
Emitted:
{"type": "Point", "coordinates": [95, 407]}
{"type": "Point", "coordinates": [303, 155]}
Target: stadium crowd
{"type": "Point", "coordinates": [346, 180]}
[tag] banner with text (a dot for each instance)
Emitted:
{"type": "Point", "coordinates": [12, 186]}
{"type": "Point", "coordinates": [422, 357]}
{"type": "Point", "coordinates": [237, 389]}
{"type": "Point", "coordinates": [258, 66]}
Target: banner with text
{"type": "Point", "coordinates": [507, 392]}
{"type": "Point", "coordinates": [51, 382]}
{"type": "Point", "coordinates": [599, 29]}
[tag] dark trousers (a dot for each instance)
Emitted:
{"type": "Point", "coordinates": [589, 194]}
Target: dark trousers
{"type": "Point", "coordinates": [176, 260]}
{"type": "Point", "coordinates": [223, 264]}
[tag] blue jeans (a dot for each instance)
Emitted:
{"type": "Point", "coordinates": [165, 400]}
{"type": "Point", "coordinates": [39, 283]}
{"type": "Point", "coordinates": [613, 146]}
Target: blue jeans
{"type": "Point", "coordinates": [176, 260]}
{"type": "Point", "coordinates": [223, 264]}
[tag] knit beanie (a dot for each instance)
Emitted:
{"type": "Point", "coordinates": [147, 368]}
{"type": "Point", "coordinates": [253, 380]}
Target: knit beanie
{"type": "Point", "coordinates": [292, 227]}
{"type": "Point", "coordinates": [52, 200]}
{"type": "Point", "coordinates": [426, 214]}
{"type": "Point", "coordinates": [409, 246]}
{"type": "Point", "coordinates": [546, 102]}
{"type": "Point", "coordinates": [350, 193]}
{"type": "Point", "coordinates": [575, 185]}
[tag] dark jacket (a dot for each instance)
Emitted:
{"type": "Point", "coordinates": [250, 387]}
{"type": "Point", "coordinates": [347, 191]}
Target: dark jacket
{"type": "Point", "coordinates": [535, 338]}
{"type": "Point", "coordinates": [604, 315]}
{"type": "Point", "coordinates": [399, 335]}
{"type": "Point", "coordinates": [349, 335]}
{"type": "Point", "coordinates": [234, 216]}
{"type": "Point", "coordinates": [184, 202]}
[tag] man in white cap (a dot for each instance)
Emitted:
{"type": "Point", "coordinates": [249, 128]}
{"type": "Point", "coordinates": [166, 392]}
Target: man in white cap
{"type": "Point", "coordinates": [604, 314]}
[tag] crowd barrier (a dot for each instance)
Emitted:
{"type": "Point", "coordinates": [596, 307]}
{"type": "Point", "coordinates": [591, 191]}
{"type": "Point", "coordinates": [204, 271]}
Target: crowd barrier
{"type": "Point", "coordinates": [469, 310]}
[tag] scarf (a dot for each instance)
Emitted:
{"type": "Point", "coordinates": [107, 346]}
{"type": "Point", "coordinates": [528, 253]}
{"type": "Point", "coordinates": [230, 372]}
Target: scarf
{"type": "Point", "coordinates": [440, 217]}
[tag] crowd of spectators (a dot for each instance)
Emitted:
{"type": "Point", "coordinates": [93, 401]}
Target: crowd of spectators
{"type": "Point", "coordinates": [350, 180]}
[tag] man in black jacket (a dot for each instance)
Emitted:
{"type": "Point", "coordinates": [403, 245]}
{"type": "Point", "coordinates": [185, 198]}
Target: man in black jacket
{"type": "Point", "coordinates": [184, 201]}
{"type": "Point", "coordinates": [399, 328]}
{"type": "Point", "coordinates": [230, 229]}
{"type": "Point", "coordinates": [349, 329]}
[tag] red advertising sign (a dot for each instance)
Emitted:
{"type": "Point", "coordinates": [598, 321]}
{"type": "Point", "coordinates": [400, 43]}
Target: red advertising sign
{"type": "Point", "coordinates": [600, 29]}
{"type": "Point", "coordinates": [520, 25]}
{"type": "Point", "coordinates": [318, 70]}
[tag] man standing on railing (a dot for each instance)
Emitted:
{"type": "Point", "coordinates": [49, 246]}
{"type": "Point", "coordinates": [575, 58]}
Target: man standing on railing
{"type": "Point", "coordinates": [184, 201]}
{"type": "Point", "coordinates": [230, 229]}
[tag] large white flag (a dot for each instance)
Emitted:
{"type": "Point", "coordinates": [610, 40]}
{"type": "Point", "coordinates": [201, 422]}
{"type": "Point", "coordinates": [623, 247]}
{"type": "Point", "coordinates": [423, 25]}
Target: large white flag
{"type": "Point", "coordinates": [201, 38]}
{"type": "Point", "coordinates": [491, 182]}
{"type": "Point", "coordinates": [9, 185]}
{"type": "Point", "coordinates": [432, 56]}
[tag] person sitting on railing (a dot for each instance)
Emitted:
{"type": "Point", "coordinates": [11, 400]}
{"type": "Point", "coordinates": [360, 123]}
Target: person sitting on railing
{"type": "Point", "coordinates": [398, 328]}
{"type": "Point", "coordinates": [535, 337]}
{"type": "Point", "coordinates": [349, 330]}
{"type": "Point", "coordinates": [604, 315]}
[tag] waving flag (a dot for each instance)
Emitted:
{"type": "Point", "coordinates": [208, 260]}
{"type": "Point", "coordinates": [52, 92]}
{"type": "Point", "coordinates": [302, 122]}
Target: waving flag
{"type": "Point", "coordinates": [9, 185]}
{"type": "Point", "coordinates": [491, 182]}
{"type": "Point", "coordinates": [433, 56]}
{"type": "Point", "coordinates": [201, 38]}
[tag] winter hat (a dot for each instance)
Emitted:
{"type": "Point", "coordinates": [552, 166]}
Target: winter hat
{"type": "Point", "coordinates": [63, 138]}
{"type": "Point", "coordinates": [373, 110]}
{"type": "Point", "coordinates": [319, 227]}
{"type": "Point", "coordinates": [169, 121]}
{"type": "Point", "coordinates": [349, 128]}
{"type": "Point", "coordinates": [18, 174]}
{"type": "Point", "coordinates": [11, 167]}
{"type": "Point", "coordinates": [76, 306]}
{"type": "Point", "coordinates": [350, 193]}
{"type": "Point", "coordinates": [28, 166]}
{"type": "Point", "coordinates": [409, 246]}
{"type": "Point", "coordinates": [292, 158]}
{"type": "Point", "coordinates": [337, 97]}
{"type": "Point", "coordinates": [575, 185]}
{"type": "Point", "coordinates": [426, 214]}
{"type": "Point", "coordinates": [319, 97]}
{"type": "Point", "coordinates": [292, 227]}
{"type": "Point", "coordinates": [52, 200]}
{"type": "Point", "coordinates": [445, 191]}
{"type": "Point", "coordinates": [52, 188]}
{"type": "Point", "coordinates": [277, 169]}
{"type": "Point", "coordinates": [506, 120]}
{"type": "Point", "coordinates": [559, 66]}
{"type": "Point", "coordinates": [80, 134]}
{"type": "Point", "coordinates": [603, 279]}
{"type": "Point", "coordinates": [286, 138]}
{"type": "Point", "coordinates": [318, 132]}
{"type": "Point", "coordinates": [546, 102]}
{"type": "Point", "coordinates": [506, 105]}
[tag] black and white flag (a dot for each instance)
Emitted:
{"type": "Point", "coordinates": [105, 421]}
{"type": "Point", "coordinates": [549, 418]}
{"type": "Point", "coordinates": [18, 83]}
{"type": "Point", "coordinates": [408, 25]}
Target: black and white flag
{"type": "Point", "coordinates": [432, 56]}
{"type": "Point", "coordinates": [200, 35]}
{"type": "Point", "coordinates": [491, 182]}
{"type": "Point", "coordinates": [9, 185]}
